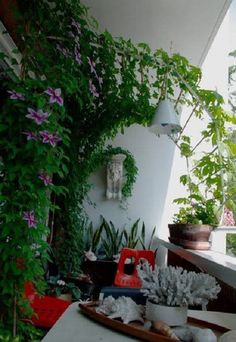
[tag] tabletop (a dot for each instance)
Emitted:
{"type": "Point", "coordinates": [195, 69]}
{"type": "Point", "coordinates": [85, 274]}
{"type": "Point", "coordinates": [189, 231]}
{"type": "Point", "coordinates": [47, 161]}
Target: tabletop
{"type": "Point", "coordinates": [73, 326]}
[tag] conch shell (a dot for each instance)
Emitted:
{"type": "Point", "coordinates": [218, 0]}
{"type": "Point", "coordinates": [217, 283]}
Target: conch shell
{"type": "Point", "coordinates": [122, 307]}
{"type": "Point", "coordinates": [164, 329]}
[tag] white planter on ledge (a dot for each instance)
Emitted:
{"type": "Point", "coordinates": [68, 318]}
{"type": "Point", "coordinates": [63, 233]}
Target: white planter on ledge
{"type": "Point", "coordinates": [171, 315]}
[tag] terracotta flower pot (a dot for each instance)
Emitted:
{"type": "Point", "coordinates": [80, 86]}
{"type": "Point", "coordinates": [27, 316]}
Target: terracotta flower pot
{"type": "Point", "coordinates": [192, 236]}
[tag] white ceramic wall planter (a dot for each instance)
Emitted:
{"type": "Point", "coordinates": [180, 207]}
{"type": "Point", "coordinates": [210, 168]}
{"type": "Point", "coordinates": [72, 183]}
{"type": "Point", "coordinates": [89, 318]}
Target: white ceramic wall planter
{"type": "Point", "coordinates": [115, 177]}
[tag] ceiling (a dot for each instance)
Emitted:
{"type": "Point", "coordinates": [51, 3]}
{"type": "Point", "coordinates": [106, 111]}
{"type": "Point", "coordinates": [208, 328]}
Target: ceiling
{"type": "Point", "coordinates": [189, 26]}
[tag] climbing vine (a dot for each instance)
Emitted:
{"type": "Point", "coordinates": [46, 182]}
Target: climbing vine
{"type": "Point", "coordinates": [77, 88]}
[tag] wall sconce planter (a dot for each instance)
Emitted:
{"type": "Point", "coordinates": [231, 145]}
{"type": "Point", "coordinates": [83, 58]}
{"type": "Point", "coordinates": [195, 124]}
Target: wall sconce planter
{"type": "Point", "coordinates": [121, 171]}
{"type": "Point", "coordinates": [115, 177]}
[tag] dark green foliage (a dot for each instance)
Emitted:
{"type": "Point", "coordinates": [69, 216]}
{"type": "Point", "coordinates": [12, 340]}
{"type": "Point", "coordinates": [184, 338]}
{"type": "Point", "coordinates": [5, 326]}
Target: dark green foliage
{"type": "Point", "coordinates": [203, 212]}
{"type": "Point", "coordinates": [57, 287]}
{"type": "Point", "coordinates": [142, 238]}
{"type": "Point", "coordinates": [109, 240]}
{"type": "Point", "coordinates": [111, 243]}
{"type": "Point", "coordinates": [131, 236]}
{"type": "Point", "coordinates": [92, 238]}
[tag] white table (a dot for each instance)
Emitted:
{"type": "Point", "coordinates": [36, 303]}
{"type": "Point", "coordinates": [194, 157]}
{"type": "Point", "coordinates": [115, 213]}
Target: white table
{"type": "Point", "coordinates": [73, 326]}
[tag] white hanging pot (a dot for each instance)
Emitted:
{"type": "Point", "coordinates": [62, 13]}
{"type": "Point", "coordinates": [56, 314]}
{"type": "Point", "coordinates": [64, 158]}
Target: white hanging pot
{"type": "Point", "coordinates": [165, 120]}
{"type": "Point", "coordinates": [171, 315]}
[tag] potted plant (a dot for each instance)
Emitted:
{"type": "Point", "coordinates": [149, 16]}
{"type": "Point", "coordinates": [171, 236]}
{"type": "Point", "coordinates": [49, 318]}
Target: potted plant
{"type": "Point", "coordinates": [62, 289]}
{"type": "Point", "coordinates": [206, 180]}
{"type": "Point", "coordinates": [170, 290]}
{"type": "Point", "coordinates": [194, 222]}
{"type": "Point", "coordinates": [102, 248]}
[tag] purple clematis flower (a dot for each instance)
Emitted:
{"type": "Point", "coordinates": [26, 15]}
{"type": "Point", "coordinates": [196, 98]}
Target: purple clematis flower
{"type": "Point", "coordinates": [29, 216]}
{"type": "Point", "coordinates": [71, 34]}
{"type": "Point", "coordinates": [16, 96]}
{"type": "Point", "coordinates": [93, 89]}
{"type": "Point", "coordinates": [55, 96]}
{"type": "Point", "coordinates": [38, 116]}
{"type": "Point", "coordinates": [78, 55]}
{"type": "Point", "coordinates": [50, 138]}
{"type": "Point", "coordinates": [30, 135]}
{"type": "Point", "coordinates": [100, 81]}
{"type": "Point", "coordinates": [63, 50]}
{"type": "Point", "coordinates": [76, 25]}
{"type": "Point", "coordinates": [92, 66]}
{"type": "Point", "coordinates": [47, 180]}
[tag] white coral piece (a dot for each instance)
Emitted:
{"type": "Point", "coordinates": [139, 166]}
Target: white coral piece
{"type": "Point", "coordinates": [122, 307]}
{"type": "Point", "coordinates": [174, 286]}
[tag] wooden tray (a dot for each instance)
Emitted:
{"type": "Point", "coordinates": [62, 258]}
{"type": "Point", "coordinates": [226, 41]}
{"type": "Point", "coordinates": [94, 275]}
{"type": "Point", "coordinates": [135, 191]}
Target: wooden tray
{"type": "Point", "coordinates": [136, 329]}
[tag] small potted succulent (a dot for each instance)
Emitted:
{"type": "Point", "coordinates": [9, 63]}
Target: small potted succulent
{"type": "Point", "coordinates": [170, 290]}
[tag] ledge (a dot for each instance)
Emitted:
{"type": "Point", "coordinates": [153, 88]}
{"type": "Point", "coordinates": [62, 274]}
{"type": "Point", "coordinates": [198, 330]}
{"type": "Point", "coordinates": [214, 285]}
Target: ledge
{"type": "Point", "coordinates": [217, 264]}
{"type": "Point", "coordinates": [226, 229]}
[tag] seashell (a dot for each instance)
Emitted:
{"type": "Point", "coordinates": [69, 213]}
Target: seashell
{"type": "Point", "coordinates": [164, 328]}
{"type": "Point", "coordinates": [122, 307]}
{"type": "Point", "coordinates": [188, 333]}
{"type": "Point", "coordinates": [147, 325]}
{"type": "Point", "coordinates": [90, 255]}
{"type": "Point", "coordinates": [230, 336]}
{"type": "Point", "coordinates": [205, 335]}
{"type": "Point", "coordinates": [184, 333]}
{"type": "Point", "coordinates": [107, 306]}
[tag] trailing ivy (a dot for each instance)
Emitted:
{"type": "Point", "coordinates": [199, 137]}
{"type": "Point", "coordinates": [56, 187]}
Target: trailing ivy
{"type": "Point", "coordinates": [103, 156]}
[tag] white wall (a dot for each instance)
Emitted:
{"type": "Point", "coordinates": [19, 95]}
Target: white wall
{"type": "Point", "coordinates": [154, 160]}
